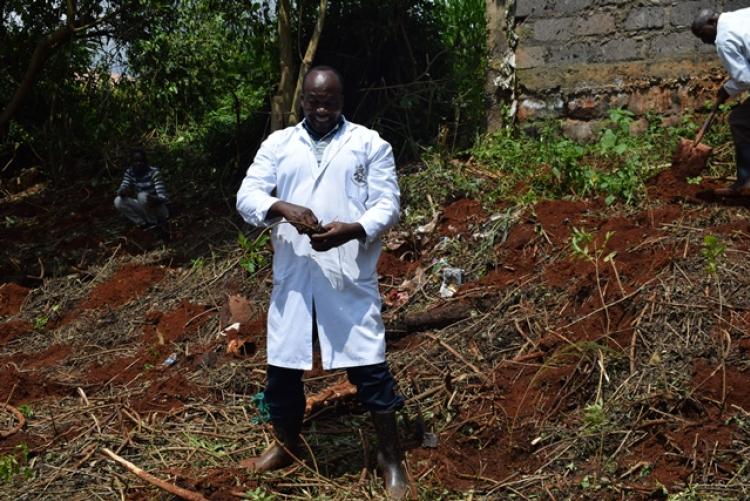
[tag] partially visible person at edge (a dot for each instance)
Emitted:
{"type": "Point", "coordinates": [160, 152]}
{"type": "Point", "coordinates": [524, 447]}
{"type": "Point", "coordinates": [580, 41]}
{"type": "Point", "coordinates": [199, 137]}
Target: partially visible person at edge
{"type": "Point", "coordinates": [730, 32]}
{"type": "Point", "coordinates": [335, 183]}
{"type": "Point", "coordinates": [142, 196]}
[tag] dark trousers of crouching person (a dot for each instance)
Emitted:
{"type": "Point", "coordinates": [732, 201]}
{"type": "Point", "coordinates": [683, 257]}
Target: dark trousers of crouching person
{"type": "Point", "coordinates": [739, 123]}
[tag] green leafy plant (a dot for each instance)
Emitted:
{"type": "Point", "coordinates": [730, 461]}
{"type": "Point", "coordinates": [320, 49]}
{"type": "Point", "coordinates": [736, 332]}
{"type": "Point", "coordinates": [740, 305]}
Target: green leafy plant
{"type": "Point", "coordinates": [197, 264]}
{"type": "Point", "coordinates": [580, 241]}
{"type": "Point", "coordinates": [26, 410]}
{"type": "Point", "coordinates": [254, 254]}
{"type": "Point", "coordinates": [259, 494]}
{"type": "Point", "coordinates": [713, 250]}
{"type": "Point", "coordinates": [594, 415]}
{"type": "Point", "coordinates": [40, 323]}
{"type": "Point", "coordinates": [10, 466]}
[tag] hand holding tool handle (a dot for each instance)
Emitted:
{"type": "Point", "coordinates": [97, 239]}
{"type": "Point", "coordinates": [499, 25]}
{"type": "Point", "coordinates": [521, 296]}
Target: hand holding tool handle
{"type": "Point", "coordinates": [706, 124]}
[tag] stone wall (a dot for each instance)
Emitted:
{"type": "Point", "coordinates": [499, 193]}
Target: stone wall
{"type": "Point", "coordinates": [575, 59]}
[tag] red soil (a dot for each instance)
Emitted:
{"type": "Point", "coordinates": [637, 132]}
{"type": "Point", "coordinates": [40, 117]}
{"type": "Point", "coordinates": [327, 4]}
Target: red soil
{"type": "Point", "coordinates": [460, 216]}
{"type": "Point", "coordinates": [119, 371]}
{"type": "Point", "coordinates": [717, 385]}
{"type": "Point", "coordinates": [559, 217]}
{"type": "Point", "coordinates": [389, 265]}
{"type": "Point", "coordinates": [491, 436]}
{"type": "Point", "coordinates": [46, 358]}
{"type": "Point", "coordinates": [165, 328]}
{"type": "Point", "coordinates": [164, 395]}
{"type": "Point", "coordinates": [160, 332]}
{"type": "Point", "coordinates": [12, 297]}
{"type": "Point", "coordinates": [12, 329]}
{"type": "Point", "coordinates": [21, 387]}
{"type": "Point", "coordinates": [130, 282]}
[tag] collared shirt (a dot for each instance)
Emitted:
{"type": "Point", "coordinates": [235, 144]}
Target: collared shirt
{"type": "Point", "coordinates": [733, 48]}
{"type": "Point", "coordinates": [320, 143]}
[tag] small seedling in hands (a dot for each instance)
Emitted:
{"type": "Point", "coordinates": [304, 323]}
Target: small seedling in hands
{"type": "Point", "coordinates": [308, 230]}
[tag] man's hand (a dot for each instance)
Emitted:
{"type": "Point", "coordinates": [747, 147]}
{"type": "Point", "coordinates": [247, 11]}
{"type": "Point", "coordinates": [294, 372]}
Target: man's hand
{"type": "Point", "coordinates": [300, 217]}
{"type": "Point", "coordinates": [126, 192]}
{"type": "Point", "coordinates": [722, 95]}
{"type": "Point", "coordinates": [336, 234]}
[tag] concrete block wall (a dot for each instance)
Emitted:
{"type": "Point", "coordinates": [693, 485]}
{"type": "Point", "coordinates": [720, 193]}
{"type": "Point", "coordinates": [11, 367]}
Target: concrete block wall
{"type": "Point", "coordinates": [575, 59]}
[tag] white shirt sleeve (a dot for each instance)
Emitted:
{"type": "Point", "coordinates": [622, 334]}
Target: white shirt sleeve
{"type": "Point", "coordinates": [733, 57]}
{"type": "Point", "coordinates": [383, 195]}
{"type": "Point", "coordinates": [254, 196]}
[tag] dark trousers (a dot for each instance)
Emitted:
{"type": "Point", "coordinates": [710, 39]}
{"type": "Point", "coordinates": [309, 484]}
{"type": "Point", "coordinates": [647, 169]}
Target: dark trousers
{"type": "Point", "coordinates": [739, 123]}
{"type": "Point", "coordinates": [285, 394]}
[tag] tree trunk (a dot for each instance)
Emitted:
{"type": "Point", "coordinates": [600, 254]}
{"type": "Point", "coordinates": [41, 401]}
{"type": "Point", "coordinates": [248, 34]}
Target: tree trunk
{"type": "Point", "coordinates": [282, 100]}
{"type": "Point", "coordinates": [312, 48]}
{"type": "Point", "coordinates": [38, 58]}
{"type": "Point", "coordinates": [41, 53]}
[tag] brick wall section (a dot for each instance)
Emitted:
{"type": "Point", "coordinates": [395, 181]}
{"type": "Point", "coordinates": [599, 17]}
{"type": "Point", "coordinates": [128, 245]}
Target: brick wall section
{"type": "Point", "coordinates": [574, 59]}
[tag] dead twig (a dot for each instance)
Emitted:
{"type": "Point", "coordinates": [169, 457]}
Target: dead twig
{"type": "Point", "coordinates": [19, 417]}
{"type": "Point", "coordinates": [177, 491]}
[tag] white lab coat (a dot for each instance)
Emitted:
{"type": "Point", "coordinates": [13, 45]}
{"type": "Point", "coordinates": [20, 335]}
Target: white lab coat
{"type": "Point", "coordinates": [733, 48]}
{"type": "Point", "coordinates": [355, 182]}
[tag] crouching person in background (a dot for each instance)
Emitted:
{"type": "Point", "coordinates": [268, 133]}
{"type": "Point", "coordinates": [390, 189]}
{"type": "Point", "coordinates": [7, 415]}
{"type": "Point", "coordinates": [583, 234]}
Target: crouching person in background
{"type": "Point", "coordinates": [142, 197]}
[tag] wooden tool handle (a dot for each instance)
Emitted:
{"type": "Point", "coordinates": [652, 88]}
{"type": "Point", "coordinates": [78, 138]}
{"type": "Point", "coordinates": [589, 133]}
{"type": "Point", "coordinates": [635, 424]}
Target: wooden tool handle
{"type": "Point", "coordinates": [706, 124]}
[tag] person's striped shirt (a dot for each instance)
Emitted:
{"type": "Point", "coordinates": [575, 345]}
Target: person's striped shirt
{"type": "Point", "coordinates": [150, 182]}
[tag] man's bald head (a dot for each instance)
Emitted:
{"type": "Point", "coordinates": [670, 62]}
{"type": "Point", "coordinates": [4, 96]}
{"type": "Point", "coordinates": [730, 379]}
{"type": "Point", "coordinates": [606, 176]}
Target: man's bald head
{"type": "Point", "coordinates": [705, 24]}
{"type": "Point", "coordinates": [322, 73]}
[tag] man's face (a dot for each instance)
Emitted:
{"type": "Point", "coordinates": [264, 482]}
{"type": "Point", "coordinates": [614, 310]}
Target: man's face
{"type": "Point", "coordinates": [139, 161]}
{"type": "Point", "coordinates": [322, 101]}
{"type": "Point", "coordinates": [707, 33]}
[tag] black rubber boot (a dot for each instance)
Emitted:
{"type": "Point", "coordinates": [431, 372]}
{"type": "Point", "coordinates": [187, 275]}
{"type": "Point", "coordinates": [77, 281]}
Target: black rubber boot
{"type": "Point", "coordinates": [283, 451]}
{"type": "Point", "coordinates": [390, 458]}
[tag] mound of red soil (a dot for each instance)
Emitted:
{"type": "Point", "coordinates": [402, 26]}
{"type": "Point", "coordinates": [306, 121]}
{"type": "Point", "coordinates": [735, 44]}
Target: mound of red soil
{"type": "Point", "coordinates": [512, 270]}
{"type": "Point", "coordinates": [12, 297]}
{"type": "Point", "coordinates": [130, 282]}
{"type": "Point", "coordinates": [171, 326]}
{"type": "Point", "coordinates": [389, 265]}
{"type": "Point", "coordinates": [12, 329]}
{"type": "Point", "coordinates": [671, 186]}
{"type": "Point", "coordinates": [559, 217]}
{"type": "Point", "coordinates": [459, 216]}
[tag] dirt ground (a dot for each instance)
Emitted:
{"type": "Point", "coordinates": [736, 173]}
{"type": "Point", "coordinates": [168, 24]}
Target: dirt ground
{"type": "Point", "coordinates": [619, 372]}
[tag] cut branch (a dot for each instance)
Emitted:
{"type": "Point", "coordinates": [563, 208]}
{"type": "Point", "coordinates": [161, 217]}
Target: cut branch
{"type": "Point", "coordinates": [19, 417]}
{"type": "Point", "coordinates": [177, 491]}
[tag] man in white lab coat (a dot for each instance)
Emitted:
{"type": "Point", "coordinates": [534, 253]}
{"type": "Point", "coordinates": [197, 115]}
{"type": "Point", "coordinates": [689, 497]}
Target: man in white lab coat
{"type": "Point", "coordinates": [730, 32]}
{"type": "Point", "coordinates": [334, 183]}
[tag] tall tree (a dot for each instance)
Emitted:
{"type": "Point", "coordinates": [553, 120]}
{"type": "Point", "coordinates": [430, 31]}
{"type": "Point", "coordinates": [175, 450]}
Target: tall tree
{"type": "Point", "coordinates": [75, 21]}
{"type": "Point", "coordinates": [286, 103]}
